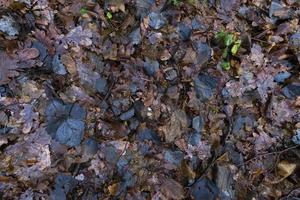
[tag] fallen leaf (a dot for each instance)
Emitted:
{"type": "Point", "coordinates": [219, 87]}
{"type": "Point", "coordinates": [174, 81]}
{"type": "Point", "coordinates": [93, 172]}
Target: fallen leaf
{"type": "Point", "coordinates": [177, 126]}
{"type": "Point", "coordinates": [113, 189]}
{"type": "Point", "coordinates": [8, 67]}
{"type": "Point", "coordinates": [286, 168]}
{"type": "Point", "coordinates": [27, 54]}
{"type": "Point", "coordinates": [172, 189]}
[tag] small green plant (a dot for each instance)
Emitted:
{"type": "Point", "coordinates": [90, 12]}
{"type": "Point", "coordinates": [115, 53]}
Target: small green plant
{"type": "Point", "coordinates": [109, 15]}
{"type": "Point", "coordinates": [225, 65]}
{"type": "Point", "coordinates": [83, 11]}
{"type": "Point", "coordinates": [175, 2]}
{"type": "Point", "coordinates": [231, 44]}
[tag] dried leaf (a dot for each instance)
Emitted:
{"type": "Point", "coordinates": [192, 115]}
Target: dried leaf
{"type": "Point", "coordinates": [177, 126]}
{"type": "Point", "coordinates": [172, 189]}
{"type": "Point", "coordinates": [28, 116]}
{"type": "Point", "coordinates": [263, 141]}
{"type": "Point", "coordinates": [79, 36]}
{"type": "Point", "coordinates": [35, 147]}
{"type": "Point", "coordinates": [27, 54]}
{"type": "Point", "coordinates": [286, 168]}
{"type": "Point", "coordinates": [8, 67]}
{"type": "Point", "coordinates": [256, 55]}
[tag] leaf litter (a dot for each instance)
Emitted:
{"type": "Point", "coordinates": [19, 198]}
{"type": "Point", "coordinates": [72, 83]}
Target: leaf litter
{"type": "Point", "coordinates": [149, 99]}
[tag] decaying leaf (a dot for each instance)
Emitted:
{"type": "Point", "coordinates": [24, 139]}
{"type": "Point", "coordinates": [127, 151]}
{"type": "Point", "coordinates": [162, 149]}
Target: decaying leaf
{"type": "Point", "coordinates": [79, 36]}
{"type": "Point", "coordinates": [28, 116]}
{"type": "Point", "coordinates": [263, 141]}
{"type": "Point", "coordinates": [65, 122]}
{"type": "Point", "coordinates": [35, 152]}
{"type": "Point", "coordinates": [172, 189]}
{"type": "Point", "coordinates": [8, 68]}
{"type": "Point", "coordinates": [177, 125]}
{"type": "Point", "coordinates": [285, 169]}
{"type": "Point", "coordinates": [119, 99]}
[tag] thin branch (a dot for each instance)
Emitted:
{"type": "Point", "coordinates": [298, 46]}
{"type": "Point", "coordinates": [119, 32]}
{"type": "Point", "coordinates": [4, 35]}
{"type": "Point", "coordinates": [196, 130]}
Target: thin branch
{"type": "Point", "coordinates": [271, 153]}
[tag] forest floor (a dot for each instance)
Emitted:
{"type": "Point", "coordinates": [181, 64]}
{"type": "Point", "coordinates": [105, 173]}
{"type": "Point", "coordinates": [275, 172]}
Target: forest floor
{"type": "Point", "coordinates": [145, 99]}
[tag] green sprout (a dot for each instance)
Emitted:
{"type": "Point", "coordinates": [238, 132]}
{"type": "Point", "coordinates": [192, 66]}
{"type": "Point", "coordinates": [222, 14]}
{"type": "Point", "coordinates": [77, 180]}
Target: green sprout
{"type": "Point", "coordinates": [175, 2]}
{"type": "Point", "coordinates": [235, 47]}
{"type": "Point", "coordinates": [225, 65]}
{"type": "Point", "coordinates": [109, 15]}
{"type": "Point", "coordinates": [83, 11]}
{"type": "Point", "coordinates": [231, 45]}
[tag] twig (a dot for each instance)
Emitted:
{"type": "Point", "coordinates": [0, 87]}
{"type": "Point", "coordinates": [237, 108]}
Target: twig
{"type": "Point", "coordinates": [110, 88]}
{"type": "Point", "coordinates": [290, 194]}
{"type": "Point", "coordinates": [270, 153]}
{"type": "Point", "coordinates": [259, 40]}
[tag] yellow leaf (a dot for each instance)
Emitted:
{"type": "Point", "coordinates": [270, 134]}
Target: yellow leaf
{"type": "Point", "coordinates": [113, 189]}
{"type": "Point", "coordinates": [285, 168]}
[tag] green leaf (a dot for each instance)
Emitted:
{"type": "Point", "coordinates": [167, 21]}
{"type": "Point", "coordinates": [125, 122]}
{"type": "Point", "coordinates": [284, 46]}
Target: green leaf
{"type": "Point", "coordinates": [228, 39]}
{"type": "Point", "coordinates": [175, 2]}
{"type": "Point", "coordinates": [225, 65]}
{"type": "Point", "coordinates": [83, 11]}
{"type": "Point", "coordinates": [225, 53]}
{"type": "Point", "coordinates": [236, 47]}
{"type": "Point", "coordinates": [109, 15]}
{"type": "Point", "coordinates": [220, 35]}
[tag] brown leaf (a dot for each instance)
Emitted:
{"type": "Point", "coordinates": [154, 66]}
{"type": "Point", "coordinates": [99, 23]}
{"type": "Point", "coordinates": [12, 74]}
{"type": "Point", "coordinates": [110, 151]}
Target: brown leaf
{"type": "Point", "coordinates": [79, 36]}
{"type": "Point", "coordinates": [113, 189]}
{"type": "Point", "coordinates": [116, 5]}
{"type": "Point", "coordinates": [27, 54]}
{"type": "Point", "coordinates": [187, 171]}
{"type": "Point", "coordinates": [28, 116]}
{"type": "Point", "coordinates": [69, 62]}
{"type": "Point", "coordinates": [256, 55]}
{"type": "Point", "coordinates": [281, 110]}
{"type": "Point", "coordinates": [285, 169]}
{"type": "Point", "coordinates": [263, 141]}
{"type": "Point", "coordinates": [8, 68]}
{"type": "Point", "coordinates": [172, 189]}
{"type": "Point", "coordinates": [177, 126]}
{"type": "Point", "coordinates": [35, 147]}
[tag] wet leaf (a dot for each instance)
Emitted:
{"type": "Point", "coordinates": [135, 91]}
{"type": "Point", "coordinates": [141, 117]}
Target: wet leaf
{"type": "Point", "coordinates": [65, 122]}
{"type": "Point", "coordinates": [156, 20]}
{"type": "Point", "coordinates": [204, 189]}
{"type": "Point", "coordinates": [205, 86]}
